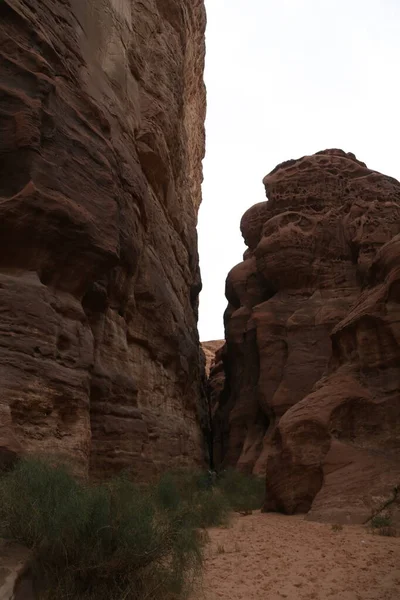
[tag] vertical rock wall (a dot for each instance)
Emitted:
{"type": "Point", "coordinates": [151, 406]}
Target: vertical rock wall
{"type": "Point", "coordinates": [312, 379]}
{"type": "Point", "coordinates": [102, 107]}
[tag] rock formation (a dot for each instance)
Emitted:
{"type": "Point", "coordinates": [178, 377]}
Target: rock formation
{"type": "Point", "coordinates": [210, 349]}
{"type": "Point", "coordinates": [102, 108]}
{"type": "Point", "coordinates": [312, 390]}
{"type": "Point", "coordinates": [16, 582]}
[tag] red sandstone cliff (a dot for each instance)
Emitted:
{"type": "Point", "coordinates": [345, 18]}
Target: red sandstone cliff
{"type": "Point", "coordinates": [101, 116]}
{"type": "Point", "coordinates": [312, 390]}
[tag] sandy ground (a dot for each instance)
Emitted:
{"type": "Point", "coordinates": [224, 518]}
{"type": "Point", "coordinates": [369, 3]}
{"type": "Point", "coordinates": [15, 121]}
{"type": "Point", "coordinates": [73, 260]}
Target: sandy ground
{"type": "Point", "coordinates": [270, 557]}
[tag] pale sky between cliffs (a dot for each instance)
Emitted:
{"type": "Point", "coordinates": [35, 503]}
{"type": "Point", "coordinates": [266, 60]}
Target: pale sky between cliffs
{"type": "Point", "coordinates": [287, 78]}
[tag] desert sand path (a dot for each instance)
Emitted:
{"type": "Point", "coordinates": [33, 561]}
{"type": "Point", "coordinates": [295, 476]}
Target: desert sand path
{"type": "Point", "coordinates": [271, 557]}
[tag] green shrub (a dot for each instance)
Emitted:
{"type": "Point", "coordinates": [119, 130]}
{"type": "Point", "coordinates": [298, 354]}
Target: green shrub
{"type": "Point", "coordinates": [116, 540]}
{"type": "Point", "coordinates": [380, 521]}
{"type": "Point", "coordinates": [100, 542]}
{"type": "Point", "coordinates": [212, 497]}
{"type": "Point", "coordinates": [212, 508]}
{"type": "Point", "coordinates": [243, 492]}
{"type": "Point", "coordinates": [175, 487]}
{"type": "Point", "coordinates": [205, 505]}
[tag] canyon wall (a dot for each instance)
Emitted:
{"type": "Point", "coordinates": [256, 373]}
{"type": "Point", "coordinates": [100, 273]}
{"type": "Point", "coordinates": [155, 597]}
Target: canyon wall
{"type": "Point", "coordinates": [210, 349]}
{"type": "Point", "coordinates": [102, 110]}
{"type": "Point", "coordinates": [311, 392]}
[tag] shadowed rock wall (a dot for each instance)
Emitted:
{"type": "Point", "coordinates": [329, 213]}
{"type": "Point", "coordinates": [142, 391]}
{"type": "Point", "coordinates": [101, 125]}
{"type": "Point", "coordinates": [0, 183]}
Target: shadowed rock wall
{"type": "Point", "coordinates": [102, 107]}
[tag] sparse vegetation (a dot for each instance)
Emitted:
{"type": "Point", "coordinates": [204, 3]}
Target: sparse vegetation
{"type": "Point", "coordinates": [382, 525]}
{"type": "Point", "coordinates": [99, 542]}
{"type": "Point", "coordinates": [379, 521]}
{"type": "Point", "coordinates": [245, 493]}
{"type": "Point", "coordinates": [214, 496]}
{"type": "Point", "coordinates": [337, 527]}
{"type": "Point", "coordinates": [388, 531]}
{"type": "Point", "coordinates": [204, 501]}
{"type": "Point", "coordinates": [117, 540]}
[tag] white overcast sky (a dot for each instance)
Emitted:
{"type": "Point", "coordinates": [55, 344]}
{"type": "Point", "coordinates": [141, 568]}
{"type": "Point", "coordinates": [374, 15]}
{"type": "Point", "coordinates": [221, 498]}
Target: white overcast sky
{"type": "Point", "coordinates": [287, 78]}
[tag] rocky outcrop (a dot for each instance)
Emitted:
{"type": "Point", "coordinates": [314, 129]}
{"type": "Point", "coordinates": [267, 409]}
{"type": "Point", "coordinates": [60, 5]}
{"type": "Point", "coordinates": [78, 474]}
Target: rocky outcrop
{"type": "Point", "coordinates": [16, 582]}
{"type": "Point", "coordinates": [210, 349]}
{"type": "Point", "coordinates": [312, 391]}
{"type": "Point", "coordinates": [101, 116]}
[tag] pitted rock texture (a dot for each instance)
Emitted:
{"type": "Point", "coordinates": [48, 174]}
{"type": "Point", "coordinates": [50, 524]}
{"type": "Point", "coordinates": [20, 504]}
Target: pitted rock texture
{"type": "Point", "coordinates": [312, 390]}
{"type": "Point", "coordinates": [102, 109]}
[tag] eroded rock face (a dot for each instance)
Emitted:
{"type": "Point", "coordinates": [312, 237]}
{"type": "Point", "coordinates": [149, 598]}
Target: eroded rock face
{"type": "Point", "coordinates": [101, 117]}
{"type": "Point", "coordinates": [16, 581]}
{"type": "Point", "coordinates": [312, 391]}
{"type": "Point", "coordinates": [210, 349]}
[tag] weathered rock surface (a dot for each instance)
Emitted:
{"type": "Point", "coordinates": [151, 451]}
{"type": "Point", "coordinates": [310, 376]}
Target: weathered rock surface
{"type": "Point", "coordinates": [15, 579]}
{"type": "Point", "coordinates": [210, 349]}
{"type": "Point", "coordinates": [312, 391]}
{"type": "Point", "coordinates": [101, 138]}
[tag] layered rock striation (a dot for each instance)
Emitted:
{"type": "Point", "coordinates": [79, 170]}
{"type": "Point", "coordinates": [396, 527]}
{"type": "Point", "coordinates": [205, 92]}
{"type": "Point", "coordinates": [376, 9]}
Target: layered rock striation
{"type": "Point", "coordinates": [312, 378]}
{"type": "Point", "coordinates": [102, 110]}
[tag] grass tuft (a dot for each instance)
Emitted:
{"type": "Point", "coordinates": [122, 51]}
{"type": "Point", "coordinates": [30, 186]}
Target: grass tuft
{"type": "Point", "coordinates": [98, 542]}
{"type": "Point", "coordinates": [116, 540]}
{"type": "Point", "coordinates": [244, 493]}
